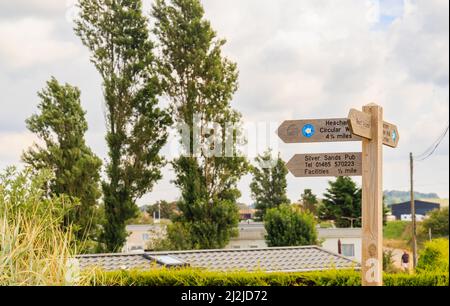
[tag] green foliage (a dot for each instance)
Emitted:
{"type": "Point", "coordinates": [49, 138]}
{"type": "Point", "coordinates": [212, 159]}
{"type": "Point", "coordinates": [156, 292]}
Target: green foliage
{"type": "Point", "coordinates": [204, 225]}
{"type": "Point", "coordinates": [167, 210]}
{"type": "Point", "coordinates": [35, 248]}
{"type": "Point", "coordinates": [197, 277]}
{"type": "Point", "coordinates": [388, 262]}
{"type": "Point", "coordinates": [437, 222]}
{"type": "Point", "coordinates": [434, 256]}
{"type": "Point", "coordinates": [287, 226]}
{"type": "Point", "coordinates": [117, 34]}
{"type": "Point", "coordinates": [141, 218]}
{"type": "Point", "coordinates": [309, 201]}
{"type": "Point", "coordinates": [342, 199]}
{"type": "Point", "coordinates": [268, 186]}
{"type": "Point", "coordinates": [200, 84]}
{"type": "Point", "coordinates": [61, 125]}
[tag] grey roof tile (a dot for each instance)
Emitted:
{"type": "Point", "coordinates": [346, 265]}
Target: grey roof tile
{"type": "Point", "coordinates": [268, 259]}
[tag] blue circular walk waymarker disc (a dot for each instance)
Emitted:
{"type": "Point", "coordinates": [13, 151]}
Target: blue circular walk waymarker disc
{"type": "Point", "coordinates": [308, 130]}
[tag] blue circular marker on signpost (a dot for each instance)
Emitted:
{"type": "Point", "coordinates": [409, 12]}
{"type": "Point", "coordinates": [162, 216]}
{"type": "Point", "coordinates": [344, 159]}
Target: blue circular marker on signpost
{"type": "Point", "coordinates": [394, 135]}
{"type": "Point", "coordinates": [308, 130]}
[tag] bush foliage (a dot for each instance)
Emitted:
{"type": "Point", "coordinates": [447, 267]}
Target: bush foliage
{"type": "Point", "coordinates": [287, 226]}
{"type": "Point", "coordinates": [434, 256]}
{"type": "Point", "coordinates": [196, 277]}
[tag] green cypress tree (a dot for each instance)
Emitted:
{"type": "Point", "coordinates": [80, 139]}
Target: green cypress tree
{"type": "Point", "coordinates": [342, 199]}
{"type": "Point", "coordinates": [61, 125]}
{"type": "Point", "coordinates": [117, 34]}
{"type": "Point", "coordinates": [268, 186]}
{"type": "Point", "coordinates": [200, 83]}
{"type": "Point", "coordinates": [309, 201]}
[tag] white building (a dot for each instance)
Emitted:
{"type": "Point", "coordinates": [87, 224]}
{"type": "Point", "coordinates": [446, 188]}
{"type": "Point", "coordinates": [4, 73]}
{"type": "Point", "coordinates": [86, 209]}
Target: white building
{"type": "Point", "coordinates": [344, 241]}
{"type": "Point", "coordinates": [140, 236]}
{"type": "Point", "coordinates": [251, 236]}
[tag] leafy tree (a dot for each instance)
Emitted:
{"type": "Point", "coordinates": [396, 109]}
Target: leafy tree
{"type": "Point", "coordinates": [60, 124]}
{"type": "Point", "coordinates": [268, 186]}
{"type": "Point", "coordinates": [287, 226]}
{"type": "Point", "coordinates": [168, 210]}
{"type": "Point", "coordinates": [200, 83]}
{"type": "Point", "coordinates": [437, 222]}
{"type": "Point", "coordinates": [342, 200]}
{"type": "Point", "coordinates": [141, 218]}
{"type": "Point", "coordinates": [309, 201]}
{"type": "Point", "coordinates": [117, 34]}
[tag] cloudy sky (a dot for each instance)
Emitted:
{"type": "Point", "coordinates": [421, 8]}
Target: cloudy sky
{"type": "Point", "coordinates": [297, 59]}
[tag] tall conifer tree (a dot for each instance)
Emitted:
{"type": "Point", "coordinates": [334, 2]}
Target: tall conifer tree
{"type": "Point", "coordinates": [117, 34]}
{"type": "Point", "coordinates": [200, 83]}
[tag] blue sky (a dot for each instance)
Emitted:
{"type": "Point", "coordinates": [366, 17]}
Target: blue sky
{"type": "Point", "coordinates": [297, 59]}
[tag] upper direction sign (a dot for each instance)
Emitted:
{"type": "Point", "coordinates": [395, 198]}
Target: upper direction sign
{"type": "Point", "coordinates": [326, 164]}
{"type": "Point", "coordinates": [360, 125]}
{"type": "Point", "coordinates": [316, 130]}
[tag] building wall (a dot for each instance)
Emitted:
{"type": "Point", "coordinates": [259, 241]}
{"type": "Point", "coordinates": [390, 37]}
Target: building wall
{"type": "Point", "coordinates": [141, 236]}
{"type": "Point", "coordinates": [331, 244]}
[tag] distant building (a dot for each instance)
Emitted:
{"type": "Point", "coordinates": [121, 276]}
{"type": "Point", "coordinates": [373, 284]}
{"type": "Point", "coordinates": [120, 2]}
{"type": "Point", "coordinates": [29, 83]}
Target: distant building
{"type": "Point", "coordinates": [402, 211]}
{"type": "Point", "coordinates": [251, 236]}
{"type": "Point", "coordinates": [141, 236]}
{"type": "Point", "coordinates": [246, 212]}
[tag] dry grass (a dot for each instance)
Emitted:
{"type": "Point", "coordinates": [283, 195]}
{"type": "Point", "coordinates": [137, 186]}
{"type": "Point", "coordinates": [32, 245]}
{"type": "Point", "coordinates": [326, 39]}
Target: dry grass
{"type": "Point", "coordinates": [34, 249]}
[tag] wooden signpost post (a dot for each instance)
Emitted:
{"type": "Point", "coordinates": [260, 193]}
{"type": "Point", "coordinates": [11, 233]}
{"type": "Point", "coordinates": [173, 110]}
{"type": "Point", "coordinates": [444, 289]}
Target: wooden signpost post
{"type": "Point", "coordinates": [366, 126]}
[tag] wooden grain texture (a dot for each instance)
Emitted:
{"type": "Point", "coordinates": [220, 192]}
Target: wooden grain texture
{"type": "Point", "coordinates": [316, 130]}
{"type": "Point", "coordinates": [372, 199]}
{"type": "Point", "coordinates": [360, 123]}
{"type": "Point", "coordinates": [326, 164]}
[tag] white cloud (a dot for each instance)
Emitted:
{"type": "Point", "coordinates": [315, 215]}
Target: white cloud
{"type": "Point", "coordinates": [24, 7]}
{"type": "Point", "coordinates": [12, 145]}
{"type": "Point", "coordinates": [30, 41]}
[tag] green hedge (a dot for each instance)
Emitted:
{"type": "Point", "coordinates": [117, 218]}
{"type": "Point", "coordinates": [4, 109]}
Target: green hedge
{"type": "Point", "coordinates": [195, 277]}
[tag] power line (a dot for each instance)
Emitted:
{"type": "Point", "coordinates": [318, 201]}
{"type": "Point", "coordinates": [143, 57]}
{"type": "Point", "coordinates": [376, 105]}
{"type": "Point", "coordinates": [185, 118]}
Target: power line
{"type": "Point", "coordinates": [426, 152]}
{"type": "Point", "coordinates": [430, 151]}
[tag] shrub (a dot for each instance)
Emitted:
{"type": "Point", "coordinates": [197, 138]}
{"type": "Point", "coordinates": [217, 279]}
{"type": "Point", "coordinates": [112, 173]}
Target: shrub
{"type": "Point", "coordinates": [34, 248]}
{"type": "Point", "coordinates": [287, 226]}
{"type": "Point", "coordinates": [388, 262]}
{"type": "Point", "coordinates": [437, 223]}
{"type": "Point", "coordinates": [197, 277]}
{"type": "Point", "coordinates": [434, 256]}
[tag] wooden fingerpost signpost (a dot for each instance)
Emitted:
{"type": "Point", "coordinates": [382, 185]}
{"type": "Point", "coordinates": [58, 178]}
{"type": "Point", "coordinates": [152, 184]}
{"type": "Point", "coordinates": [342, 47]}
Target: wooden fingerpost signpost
{"type": "Point", "coordinates": [370, 126]}
{"type": "Point", "coordinates": [366, 126]}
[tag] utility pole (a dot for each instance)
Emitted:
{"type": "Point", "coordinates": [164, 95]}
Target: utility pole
{"type": "Point", "coordinates": [413, 211]}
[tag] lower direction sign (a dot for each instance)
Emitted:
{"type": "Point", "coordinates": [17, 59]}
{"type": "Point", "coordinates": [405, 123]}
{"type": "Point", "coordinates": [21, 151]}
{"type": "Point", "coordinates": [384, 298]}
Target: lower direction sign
{"type": "Point", "coordinates": [326, 164]}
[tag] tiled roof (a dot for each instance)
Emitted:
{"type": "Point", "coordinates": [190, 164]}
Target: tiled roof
{"type": "Point", "coordinates": [286, 259]}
